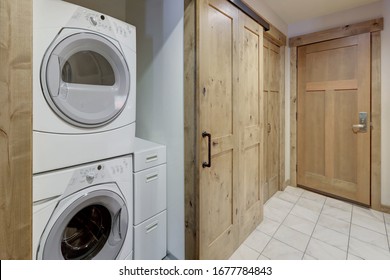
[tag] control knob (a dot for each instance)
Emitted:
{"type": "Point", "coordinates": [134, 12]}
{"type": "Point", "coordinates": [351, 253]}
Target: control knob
{"type": "Point", "coordinates": [93, 20]}
{"type": "Point", "coordinates": [90, 177]}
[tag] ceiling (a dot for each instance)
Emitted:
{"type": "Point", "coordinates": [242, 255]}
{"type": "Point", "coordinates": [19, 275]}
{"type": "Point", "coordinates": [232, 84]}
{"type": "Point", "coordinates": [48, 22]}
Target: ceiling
{"type": "Point", "coordinates": [292, 11]}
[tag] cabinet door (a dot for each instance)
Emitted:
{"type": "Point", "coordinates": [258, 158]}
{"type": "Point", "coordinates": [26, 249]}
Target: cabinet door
{"type": "Point", "coordinates": [217, 116]}
{"type": "Point", "coordinates": [272, 81]}
{"type": "Point", "coordinates": [251, 159]}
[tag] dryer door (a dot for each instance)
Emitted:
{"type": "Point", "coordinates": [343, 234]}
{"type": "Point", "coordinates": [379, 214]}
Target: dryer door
{"type": "Point", "coordinates": [94, 226]}
{"type": "Point", "coordinates": [85, 78]}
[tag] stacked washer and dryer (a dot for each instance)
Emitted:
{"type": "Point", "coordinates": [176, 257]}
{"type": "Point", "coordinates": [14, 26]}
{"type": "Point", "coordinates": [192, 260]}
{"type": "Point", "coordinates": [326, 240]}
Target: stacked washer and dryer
{"type": "Point", "coordinates": [83, 133]}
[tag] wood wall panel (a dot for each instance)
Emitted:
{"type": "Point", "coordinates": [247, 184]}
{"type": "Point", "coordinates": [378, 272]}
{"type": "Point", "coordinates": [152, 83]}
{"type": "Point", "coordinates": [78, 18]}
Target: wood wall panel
{"type": "Point", "coordinates": [15, 129]}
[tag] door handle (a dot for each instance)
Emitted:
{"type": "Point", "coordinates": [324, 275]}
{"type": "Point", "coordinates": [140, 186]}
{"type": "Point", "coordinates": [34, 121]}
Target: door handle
{"type": "Point", "coordinates": [362, 126]}
{"type": "Point", "coordinates": [269, 127]}
{"type": "Point", "coordinates": [208, 135]}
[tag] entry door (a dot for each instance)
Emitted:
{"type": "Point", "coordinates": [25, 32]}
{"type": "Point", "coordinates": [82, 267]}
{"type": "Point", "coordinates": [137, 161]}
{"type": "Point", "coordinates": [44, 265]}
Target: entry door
{"type": "Point", "coordinates": [218, 129]}
{"type": "Point", "coordinates": [333, 100]}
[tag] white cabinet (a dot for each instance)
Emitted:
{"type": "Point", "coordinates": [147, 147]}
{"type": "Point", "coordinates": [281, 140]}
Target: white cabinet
{"type": "Point", "coordinates": [150, 203]}
{"type": "Point", "coordinates": [150, 238]}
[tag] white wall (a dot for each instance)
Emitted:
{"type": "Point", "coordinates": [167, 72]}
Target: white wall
{"type": "Point", "coordinates": [160, 93]}
{"type": "Point", "coordinates": [114, 8]}
{"type": "Point", "coordinates": [356, 15]}
{"type": "Point", "coordinates": [372, 11]}
{"type": "Point", "coordinates": [268, 14]}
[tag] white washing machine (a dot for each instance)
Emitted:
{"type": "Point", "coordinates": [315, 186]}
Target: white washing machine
{"type": "Point", "coordinates": [84, 85]}
{"type": "Point", "coordinates": [84, 212]}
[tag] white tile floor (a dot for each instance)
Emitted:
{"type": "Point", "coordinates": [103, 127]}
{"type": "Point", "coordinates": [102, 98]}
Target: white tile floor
{"type": "Point", "coordinates": [299, 224]}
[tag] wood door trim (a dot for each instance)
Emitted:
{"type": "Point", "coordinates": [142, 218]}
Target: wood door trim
{"type": "Point", "coordinates": [376, 122]}
{"type": "Point", "coordinates": [338, 32]}
{"type": "Point", "coordinates": [375, 116]}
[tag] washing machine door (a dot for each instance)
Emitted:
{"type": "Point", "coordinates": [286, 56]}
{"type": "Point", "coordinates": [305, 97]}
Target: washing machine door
{"type": "Point", "coordinates": [85, 78]}
{"type": "Point", "coordinates": [94, 226]}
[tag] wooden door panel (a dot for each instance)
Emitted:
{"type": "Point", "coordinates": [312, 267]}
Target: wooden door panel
{"type": "Point", "coordinates": [272, 78]}
{"type": "Point", "coordinates": [249, 74]}
{"type": "Point", "coordinates": [219, 206]}
{"type": "Point", "coordinates": [218, 72]}
{"type": "Point", "coordinates": [314, 119]}
{"type": "Point", "coordinates": [251, 182]}
{"type": "Point", "coordinates": [273, 142]}
{"type": "Point", "coordinates": [251, 122]}
{"type": "Point", "coordinates": [333, 87]}
{"type": "Point", "coordinates": [274, 67]}
{"type": "Point", "coordinates": [345, 141]}
{"type": "Point", "coordinates": [220, 79]}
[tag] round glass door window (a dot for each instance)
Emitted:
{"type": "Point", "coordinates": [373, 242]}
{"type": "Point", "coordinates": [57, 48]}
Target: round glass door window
{"type": "Point", "coordinates": [93, 226]}
{"type": "Point", "coordinates": [85, 79]}
{"type": "Point", "coordinates": [86, 233]}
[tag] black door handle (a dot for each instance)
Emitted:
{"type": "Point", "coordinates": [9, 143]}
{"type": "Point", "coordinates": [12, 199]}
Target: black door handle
{"type": "Point", "coordinates": [207, 164]}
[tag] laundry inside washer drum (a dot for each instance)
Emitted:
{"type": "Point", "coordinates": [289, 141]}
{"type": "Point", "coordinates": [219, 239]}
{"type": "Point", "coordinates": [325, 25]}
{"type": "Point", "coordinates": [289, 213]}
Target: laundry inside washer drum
{"type": "Point", "coordinates": [86, 233]}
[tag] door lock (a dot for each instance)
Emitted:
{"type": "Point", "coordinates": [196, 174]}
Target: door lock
{"type": "Point", "coordinates": [362, 126]}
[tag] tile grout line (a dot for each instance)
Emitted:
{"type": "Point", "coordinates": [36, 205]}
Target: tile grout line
{"type": "Point", "coordinates": [280, 226]}
{"type": "Point", "coordinates": [387, 233]}
{"type": "Point", "coordinates": [316, 223]}
{"type": "Point", "coordinates": [350, 229]}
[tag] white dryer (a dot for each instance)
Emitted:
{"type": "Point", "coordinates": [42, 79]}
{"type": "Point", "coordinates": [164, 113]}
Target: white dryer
{"type": "Point", "coordinates": [84, 86]}
{"type": "Point", "coordinates": [84, 212]}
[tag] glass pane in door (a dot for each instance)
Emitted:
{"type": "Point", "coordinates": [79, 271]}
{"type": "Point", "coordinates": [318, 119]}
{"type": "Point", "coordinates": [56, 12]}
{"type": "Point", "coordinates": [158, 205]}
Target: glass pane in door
{"type": "Point", "coordinates": [86, 233]}
{"type": "Point", "coordinates": [88, 67]}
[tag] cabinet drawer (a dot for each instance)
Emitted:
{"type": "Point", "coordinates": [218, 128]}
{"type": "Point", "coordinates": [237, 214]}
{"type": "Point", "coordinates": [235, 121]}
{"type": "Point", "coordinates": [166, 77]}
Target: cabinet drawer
{"type": "Point", "coordinates": [150, 238]}
{"type": "Point", "coordinates": [148, 154]}
{"type": "Point", "coordinates": [149, 193]}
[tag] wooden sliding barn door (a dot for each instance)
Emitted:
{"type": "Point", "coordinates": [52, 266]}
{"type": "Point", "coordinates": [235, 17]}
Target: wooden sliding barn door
{"type": "Point", "coordinates": [230, 122]}
{"type": "Point", "coordinates": [251, 156]}
{"type": "Point", "coordinates": [218, 132]}
{"type": "Point", "coordinates": [272, 85]}
{"type": "Point", "coordinates": [334, 117]}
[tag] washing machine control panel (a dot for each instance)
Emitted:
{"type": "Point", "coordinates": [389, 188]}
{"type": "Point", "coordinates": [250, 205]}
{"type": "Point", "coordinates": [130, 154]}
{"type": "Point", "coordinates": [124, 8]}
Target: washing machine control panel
{"type": "Point", "coordinates": [100, 173]}
{"type": "Point", "coordinates": [91, 175]}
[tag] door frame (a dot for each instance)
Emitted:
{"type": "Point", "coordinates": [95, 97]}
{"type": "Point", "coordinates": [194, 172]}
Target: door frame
{"type": "Point", "coordinates": [374, 27]}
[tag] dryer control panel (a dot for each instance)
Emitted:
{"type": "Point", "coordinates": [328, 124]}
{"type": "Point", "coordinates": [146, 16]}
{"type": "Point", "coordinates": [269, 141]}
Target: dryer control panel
{"type": "Point", "coordinates": [85, 18]}
{"type": "Point", "coordinates": [91, 20]}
